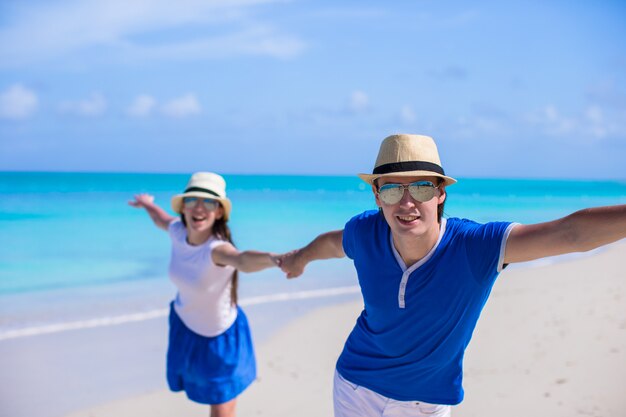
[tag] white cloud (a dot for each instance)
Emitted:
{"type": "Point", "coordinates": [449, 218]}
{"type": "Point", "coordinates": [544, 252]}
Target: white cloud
{"type": "Point", "coordinates": [186, 105]}
{"type": "Point", "coordinates": [145, 105]}
{"type": "Point", "coordinates": [18, 102]}
{"type": "Point", "coordinates": [94, 105]}
{"type": "Point", "coordinates": [142, 106]}
{"type": "Point", "coordinates": [345, 13]}
{"type": "Point", "coordinates": [407, 115]}
{"type": "Point", "coordinates": [359, 101]}
{"type": "Point", "coordinates": [478, 126]}
{"type": "Point", "coordinates": [551, 121]}
{"type": "Point", "coordinates": [43, 31]}
{"type": "Point", "coordinates": [594, 121]}
{"type": "Point", "coordinates": [257, 40]}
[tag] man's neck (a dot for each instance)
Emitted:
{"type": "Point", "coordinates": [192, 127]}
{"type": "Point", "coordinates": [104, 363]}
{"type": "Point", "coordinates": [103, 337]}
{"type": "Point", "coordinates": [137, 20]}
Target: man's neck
{"type": "Point", "coordinates": [413, 248]}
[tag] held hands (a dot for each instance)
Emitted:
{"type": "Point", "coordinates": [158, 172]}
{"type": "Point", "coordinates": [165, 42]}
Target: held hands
{"type": "Point", "coordinates": [250, 261]}
{"type": "Point", "coordinates": [292, 263]}
{"type": "Point", "coordinates": [325, 246]}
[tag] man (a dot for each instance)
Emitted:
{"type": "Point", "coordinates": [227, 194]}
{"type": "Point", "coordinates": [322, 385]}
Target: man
{"type": "Point", "coordinates": [425, 280]}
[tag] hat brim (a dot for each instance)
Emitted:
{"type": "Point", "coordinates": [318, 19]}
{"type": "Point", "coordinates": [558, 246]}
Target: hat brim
{"type": "Point", "coordinates": [177, 201]}
{"type": "Point", "coordinates": [369, 178]}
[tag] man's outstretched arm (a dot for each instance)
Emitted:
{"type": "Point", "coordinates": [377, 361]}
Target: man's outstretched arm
{"type": "Point", "coordinates": [579, 232]}
{"type": "Point", "coordinates": [325, 246]}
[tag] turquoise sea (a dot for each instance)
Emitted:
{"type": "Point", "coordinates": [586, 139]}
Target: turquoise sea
{"type": "Point", "coordinates": [72, 247]}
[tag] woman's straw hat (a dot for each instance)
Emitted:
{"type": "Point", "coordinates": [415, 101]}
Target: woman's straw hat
{"type": "Point", "coordinates": [407, 156]}
{"type": "Point", "coordinates": [204, 185]}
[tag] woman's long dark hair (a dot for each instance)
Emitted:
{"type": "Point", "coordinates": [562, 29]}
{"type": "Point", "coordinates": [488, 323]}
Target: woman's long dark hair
{"type": "Point", "coordinates": [222, 231]}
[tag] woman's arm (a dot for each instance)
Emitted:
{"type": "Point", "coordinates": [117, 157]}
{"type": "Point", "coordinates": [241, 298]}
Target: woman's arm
{"type": "Point", "coordinates": [579, 232]}
{"type": "Point", "coordinates": [159, 216]}
{"type": "Point", "coordinates": [325, 246]}
{"type": "Point", "coordinates": [245, 261]}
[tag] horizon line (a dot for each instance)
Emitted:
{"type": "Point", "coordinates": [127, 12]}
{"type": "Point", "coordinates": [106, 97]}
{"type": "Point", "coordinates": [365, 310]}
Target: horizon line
{"type": "Point", "coordinates": [306, 174]}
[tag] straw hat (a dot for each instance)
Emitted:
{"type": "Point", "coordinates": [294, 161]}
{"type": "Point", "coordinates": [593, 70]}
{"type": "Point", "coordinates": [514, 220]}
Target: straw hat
{"type": "Point", "coordinates": [407, 156]}
{"type": "Point", "coordinates": [204, 185]}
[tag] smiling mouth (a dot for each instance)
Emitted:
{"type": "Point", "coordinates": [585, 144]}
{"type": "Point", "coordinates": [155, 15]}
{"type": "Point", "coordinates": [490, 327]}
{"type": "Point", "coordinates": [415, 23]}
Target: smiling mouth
{"type": "Point", "coordinates": [407, 219]}
{"type": "Point", "coordinates": [198, 219]}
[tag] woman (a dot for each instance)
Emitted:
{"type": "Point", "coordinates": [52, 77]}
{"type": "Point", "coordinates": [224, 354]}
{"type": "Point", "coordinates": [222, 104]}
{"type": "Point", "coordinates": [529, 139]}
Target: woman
{"type": "Point", "coordinates": [210, 354]}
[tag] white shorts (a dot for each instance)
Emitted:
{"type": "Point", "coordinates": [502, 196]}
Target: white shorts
{"type": "Point", "coordinates": [351, 400]}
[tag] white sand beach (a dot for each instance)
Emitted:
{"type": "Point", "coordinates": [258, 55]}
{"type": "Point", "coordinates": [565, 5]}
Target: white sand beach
{"type": "Point", "coordinates": [551, 342]}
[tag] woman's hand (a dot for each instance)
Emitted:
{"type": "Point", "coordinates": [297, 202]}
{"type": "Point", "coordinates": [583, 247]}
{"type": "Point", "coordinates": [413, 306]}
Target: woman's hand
{"type": "Point", "coordinates": [159, 216]}
{"type": "Point", "coordinates": [142, 200]}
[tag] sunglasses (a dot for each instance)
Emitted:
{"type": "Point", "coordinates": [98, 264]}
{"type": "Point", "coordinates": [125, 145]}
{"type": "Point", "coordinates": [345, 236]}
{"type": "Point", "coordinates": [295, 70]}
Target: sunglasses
{"type": "Point", "coordinates": [421, 191]}
{"type": "Point", "coordinates": [209, 203]}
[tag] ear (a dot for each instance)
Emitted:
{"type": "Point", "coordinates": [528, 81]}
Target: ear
{"type": "Point", "coordinates": [375, 191]}
{"type": "Point", "coordinates": [442, 194]}
{"type": "Point", "coordinates": [220, 212]}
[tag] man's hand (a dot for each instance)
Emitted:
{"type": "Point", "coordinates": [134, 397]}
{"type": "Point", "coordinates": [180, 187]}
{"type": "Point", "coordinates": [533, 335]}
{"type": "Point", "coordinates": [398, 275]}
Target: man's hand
{"type": "Point", "coordinates": [292, 263]}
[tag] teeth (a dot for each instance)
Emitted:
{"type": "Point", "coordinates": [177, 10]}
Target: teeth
{"type": "Point", "coordinates": [407, 218]}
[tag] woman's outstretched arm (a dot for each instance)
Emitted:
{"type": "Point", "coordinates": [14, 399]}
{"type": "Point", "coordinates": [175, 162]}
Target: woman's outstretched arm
{"type": "Point", "coordinates": [244, 261]}
{"type": "Point", "coordinates": [159, 216]}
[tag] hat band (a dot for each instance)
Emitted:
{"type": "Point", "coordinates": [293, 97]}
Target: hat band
{"type": "Point", "coordinates": [204, 190]}
{"type": "Point", "coordinates": [408, 166]}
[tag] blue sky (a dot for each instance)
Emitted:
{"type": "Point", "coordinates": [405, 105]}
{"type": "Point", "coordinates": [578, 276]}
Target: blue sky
{"type": "Point", "coordinates": [508, 89]}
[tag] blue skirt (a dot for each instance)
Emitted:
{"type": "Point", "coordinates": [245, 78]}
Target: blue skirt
{"type": "Point", "coordinates": [211, 370]}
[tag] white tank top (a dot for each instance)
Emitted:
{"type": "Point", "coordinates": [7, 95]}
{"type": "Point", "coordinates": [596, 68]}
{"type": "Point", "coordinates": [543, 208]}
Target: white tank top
{"type": "Point", "coordinates": [203, 301]}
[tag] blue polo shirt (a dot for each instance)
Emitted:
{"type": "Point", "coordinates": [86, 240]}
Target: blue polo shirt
{"type": "Point", "coordinates": [409, 341]}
